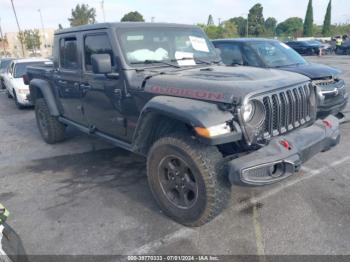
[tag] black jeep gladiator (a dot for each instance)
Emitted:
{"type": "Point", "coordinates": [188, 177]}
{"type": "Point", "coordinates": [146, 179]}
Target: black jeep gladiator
{"type": "Point", "coordinates": [160, 90]}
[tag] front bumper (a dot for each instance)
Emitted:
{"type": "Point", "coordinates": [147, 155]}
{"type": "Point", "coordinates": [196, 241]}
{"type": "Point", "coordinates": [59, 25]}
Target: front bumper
{"type": "Point", "coordinates": [279, 159]}
{"type": "Point", "coordinates": [24, 100]}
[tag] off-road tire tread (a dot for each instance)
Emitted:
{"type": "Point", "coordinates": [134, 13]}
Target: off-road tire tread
{"type": "Point", "coordinates": [211, 164]}
{"type": "Point", "coordinates": [56, 130]}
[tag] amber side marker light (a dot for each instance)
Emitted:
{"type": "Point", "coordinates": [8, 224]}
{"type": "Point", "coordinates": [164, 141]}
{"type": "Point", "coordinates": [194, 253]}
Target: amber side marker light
{"type": "Point", "coordinates": [213, 131]}
{"type": "Point", "coordinates": [202, 131]}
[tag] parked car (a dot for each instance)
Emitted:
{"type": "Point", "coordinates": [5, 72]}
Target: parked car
{"type": "Point", "coordinates": [269, 53]}
{"type": "Point", "coordinates": [13, 81]}
{"type": "Point", "coordinates": [305, 47]}
{"type": "Point", "coordinates": [4, 63]}
{"type": "Point", "coordinates": [159, 90]}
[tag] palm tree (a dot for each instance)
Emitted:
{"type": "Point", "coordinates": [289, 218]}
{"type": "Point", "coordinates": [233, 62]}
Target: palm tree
{"type": "Point", "coordinates": [82, 14]}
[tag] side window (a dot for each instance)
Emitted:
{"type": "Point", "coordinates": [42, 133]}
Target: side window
{"type": "Point", "coordinates": [69, 53]}
{"type": "Point", "coordinates": [96, 44]}
{"type": "Point", "coordinates": [231, 53]}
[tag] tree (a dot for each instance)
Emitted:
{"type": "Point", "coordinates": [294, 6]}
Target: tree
{"type": "Point", "coordinates": [326, 30]}
{"type": "Point", "coordinates": [309, 20]}
{"type": "Point", "coordinates": [270, 25]}
{"type": "Point", "coordinates": [291, 26]}
{"type": "Point", "coordinates": [82, 15]}
{"type": "Point", "coordinates": [226, 29]}
{"type": "Point", "coordinates": [241, 25]}
{"type": "Point", "coordinates": [30, 39]}
{"type": "Point", "coordinates": [256, 20]}
{"type": "Point", "coordinates": [133, 17]}
{"type": "Point", "coordinates": [210, 20]}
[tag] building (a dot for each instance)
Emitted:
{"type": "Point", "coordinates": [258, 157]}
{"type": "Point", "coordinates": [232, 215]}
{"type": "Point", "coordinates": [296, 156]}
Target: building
{"type": "Point", "coordinates": [14, 48]}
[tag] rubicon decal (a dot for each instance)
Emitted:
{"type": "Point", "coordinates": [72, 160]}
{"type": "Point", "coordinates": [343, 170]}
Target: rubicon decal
{"type": "Point", "coordinates": [175, 91]}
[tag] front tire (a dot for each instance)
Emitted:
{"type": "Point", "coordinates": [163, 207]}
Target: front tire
{"type": "Point", "coordinates": [187, 179]}
{"type": "Point", "coordinates": [51, 130]}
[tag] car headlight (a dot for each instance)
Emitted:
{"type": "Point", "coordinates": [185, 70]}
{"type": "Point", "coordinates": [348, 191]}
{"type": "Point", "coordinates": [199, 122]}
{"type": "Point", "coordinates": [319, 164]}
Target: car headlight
{"type": "Point", "coordinates": [22, 91]}
{"type": "Point", "coordinates": [248, 111]}
{"type": "Point", "coordinates": [253, 113]}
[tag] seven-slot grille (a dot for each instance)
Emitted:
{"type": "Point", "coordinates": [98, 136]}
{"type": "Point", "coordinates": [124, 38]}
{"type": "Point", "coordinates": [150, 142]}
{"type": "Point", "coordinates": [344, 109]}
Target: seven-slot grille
{"type": "Point", "coordinates": [287, 110]}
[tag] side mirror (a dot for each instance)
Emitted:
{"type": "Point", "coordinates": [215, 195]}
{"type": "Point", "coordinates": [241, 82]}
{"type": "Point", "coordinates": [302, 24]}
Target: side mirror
{"type": "Point", "coordinates": [101, 63]}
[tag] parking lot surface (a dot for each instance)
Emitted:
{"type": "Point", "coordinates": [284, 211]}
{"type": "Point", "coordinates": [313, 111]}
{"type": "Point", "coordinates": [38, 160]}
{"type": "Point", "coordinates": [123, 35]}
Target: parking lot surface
{"type": "Point", "coordinates": [85, 197]}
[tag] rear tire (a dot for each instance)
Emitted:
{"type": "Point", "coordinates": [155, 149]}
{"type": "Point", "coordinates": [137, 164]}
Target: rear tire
{"type": "Point", "coordinates": [187, 179]}
{"type": "Point", "coordinates": [51, 130]}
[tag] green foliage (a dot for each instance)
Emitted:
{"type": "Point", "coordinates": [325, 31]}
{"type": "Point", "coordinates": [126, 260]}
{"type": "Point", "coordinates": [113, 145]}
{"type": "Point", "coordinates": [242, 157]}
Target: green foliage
{"type": "Point", "coordinates": [82, 15]}
{"type": "Point", "coordinates": [270, 26]}
{"type": "Point", "coordinates": [30, 39]}
{"type": "Point", "coordinates": [226, 30]}
{"type": "Point", "coordinates": [210, 20]}
{"type": "Point", "coordinates": [309, 20]}
{"type": "Point", "coordinates": [241, 25]}
{"type": "Point", "coordinates": [293, 26]}
{"type": "Point", "coordinates": [326, 30]}
{"type": "Point", "coordinates": [256, 20]}
{"type": "Point", "coordinates": [132, 17]}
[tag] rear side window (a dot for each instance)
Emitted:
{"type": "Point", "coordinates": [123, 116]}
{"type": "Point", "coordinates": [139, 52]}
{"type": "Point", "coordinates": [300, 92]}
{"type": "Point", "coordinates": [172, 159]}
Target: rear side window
{"type": "Point", "coordinates": [96, 44]}
{"type": "Point", "coordinates": [69, 53]}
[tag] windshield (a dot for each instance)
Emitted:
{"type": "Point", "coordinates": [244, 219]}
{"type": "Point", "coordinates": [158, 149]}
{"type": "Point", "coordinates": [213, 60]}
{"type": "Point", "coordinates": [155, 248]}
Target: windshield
{"type": "Point", "coordinates": [181, 46]}
{"type": "Point", "coordinates": [313, 42]}
{"type": "Point", "coordinates": [4, 64]}
{"type": "Point", "coordinates": [21, 68]}
{"type": "Point", "coordinates": [276, 54]}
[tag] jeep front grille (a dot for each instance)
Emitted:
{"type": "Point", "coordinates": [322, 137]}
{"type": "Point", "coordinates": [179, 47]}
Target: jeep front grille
{"type": "Point", "coordinates": [287, 110]}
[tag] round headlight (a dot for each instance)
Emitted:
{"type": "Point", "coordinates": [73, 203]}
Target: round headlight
{"type": "Point", "coordinates": [248, 111]}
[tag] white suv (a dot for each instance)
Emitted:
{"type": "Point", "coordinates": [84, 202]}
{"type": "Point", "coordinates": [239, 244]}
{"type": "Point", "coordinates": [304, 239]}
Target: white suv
{"type": "Point", "coordinates": [13, 80]}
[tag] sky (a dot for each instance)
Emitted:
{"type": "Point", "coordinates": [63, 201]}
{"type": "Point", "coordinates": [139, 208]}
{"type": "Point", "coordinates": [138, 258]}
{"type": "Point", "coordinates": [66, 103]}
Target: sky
{"type": "Point", "coordinates": [56, 12]}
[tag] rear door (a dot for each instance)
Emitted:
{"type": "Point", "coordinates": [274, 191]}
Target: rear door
{"type": "Point", "coordinates": [102, 96]}
{"type": "Point", "coordinates": [67, 79]}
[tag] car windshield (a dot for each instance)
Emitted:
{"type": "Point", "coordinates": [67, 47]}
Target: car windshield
{"type": "Point", "coordinates": [165, 45]}
{"type": "Point", "coordinates": [21, 68]}
{"type": "Point", "coordinates": [4, 64]}
{"type": "Point", "coordinates": [276, 54]}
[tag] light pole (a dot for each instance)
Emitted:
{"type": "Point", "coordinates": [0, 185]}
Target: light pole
{"type": "Point", "coordinates": [103, 10]}
{"type": "Point", "coordinates": [42, 28]}
{"type": "Point", "coordinates": [19, 29]}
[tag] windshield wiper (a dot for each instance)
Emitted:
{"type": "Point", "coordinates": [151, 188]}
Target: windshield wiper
{"type": "Point", "coordinates": [149, 61]}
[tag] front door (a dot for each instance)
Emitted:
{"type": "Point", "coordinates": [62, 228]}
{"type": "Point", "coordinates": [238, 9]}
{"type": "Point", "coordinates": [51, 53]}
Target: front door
{"type": "Point", "coordinates": [67, 80]}
{"type": "Point", "coordinates": [102, 96]}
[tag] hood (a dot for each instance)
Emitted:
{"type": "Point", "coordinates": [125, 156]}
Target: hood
{"type": "Point", "coordinates": [314, 71]}
{"type": "Point", "coordinates": [221, 83]}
